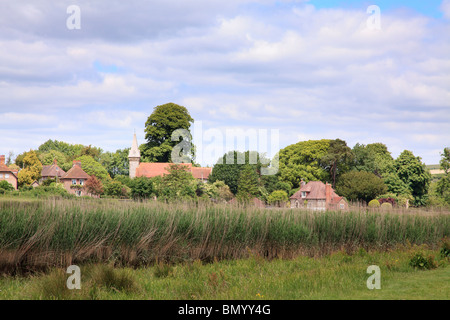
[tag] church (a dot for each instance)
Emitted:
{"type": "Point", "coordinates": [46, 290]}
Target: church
{"type": "Point", "coordinates": [149, 170]}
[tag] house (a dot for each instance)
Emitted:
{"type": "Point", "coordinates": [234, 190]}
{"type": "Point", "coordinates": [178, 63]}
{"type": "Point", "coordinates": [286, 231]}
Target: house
{"type": "Point", "coordinates": [52, 171]}
{"type": "Point", "coordinates": [315, 195]}
{"type": "Point", "coordinates": [74, 179]}
{"type": "Point", "coordinates": [7, 174]}
{"type": "Point", "coordinates": [154, 169]}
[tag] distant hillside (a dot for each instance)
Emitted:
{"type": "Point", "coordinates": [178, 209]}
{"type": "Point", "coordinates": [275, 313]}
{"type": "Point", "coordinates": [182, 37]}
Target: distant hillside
{"type": "Point", "coordinates": [435, 169]}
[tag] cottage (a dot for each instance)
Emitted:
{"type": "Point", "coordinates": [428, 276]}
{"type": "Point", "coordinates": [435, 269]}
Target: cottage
{"type": "Point", "coordinates": [315, 195]}
{"type": "Point", "coordinates": [52, 171]}
{"type": "Point", "coordinates": [7, 174]}
{"type": "Point", "coordinates": [154, 169]}
{"type": "Point", "coordinates": [74, 179]}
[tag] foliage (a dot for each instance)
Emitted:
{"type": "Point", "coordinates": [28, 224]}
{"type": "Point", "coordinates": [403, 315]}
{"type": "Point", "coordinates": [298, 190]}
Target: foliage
{"type": "Point", "coordinates": [338, 159]}
{"type": "Point", "coordinates": [92, 167]}
{"type": "Point", "coordinates": [228, 168]}
{"type": "Point", "coordinates": [303, 161]}
{"type": "Point", "coordinates": [178, 184]}
{"type": "Point", "coordinates": [48, 157]}
{"type": "Point", "coordinates": [116, 163]}
{"type": "Point", "coordinates": [414, 174]}
{"type": "Point", "coordinates": [373, 157]}
{"type": "Point", "coordinates": [278, 197]}
{"type": "Point", "coordinates": [389, 200]}
{"type": "Point", "coordinates": [386, 206]}
{"type": "Point", "coordinates": [93, 186]}
{"type": "Point", "coordinates": [71, 151]}
{"type": "Point", "coordinates": [420, 262]}
{"type": "Point", "coordinates": [248, 184]}
{"type": "Point", "coordinates": [360, 185]}
{"type": "Point", "coordinates": [115, 189]}
{"type": "Point", "coordinates": [443, 185]}
{"type": "Point", "coordinates": [374, 203]}
{"type": "Point", "coordinates": [218, 191]}
{"type": "Point", "coordinates": [6, 186]}
{"type": "Point", "coordinates": [445, 248]}
{"type": "Point", "coordinates": [32, 168]}
{"type": "Point", "coordinates": [142, 187]}
{"type": "Point", "coordinates": [160, 125]}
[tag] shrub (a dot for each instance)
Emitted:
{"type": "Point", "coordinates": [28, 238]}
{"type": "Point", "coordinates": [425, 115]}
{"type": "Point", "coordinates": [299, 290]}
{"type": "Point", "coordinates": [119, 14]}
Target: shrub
{"type": "Point", "coordinates": [374, 203]}
{"type": "Point", "coordinates": [6, 186]}
{"type": "Point", "coordinates": [162, 270]}
{"type": "Point", "coordinates": [278, 197]}
{"type": "Point", "coordinates": [386, 206]}
{"type": "Point", "coordinates": [118, 280]}
{"type": "Point", "coordinates": [445, 248]}
{"type": "Point", "coordinates": [420, 262]}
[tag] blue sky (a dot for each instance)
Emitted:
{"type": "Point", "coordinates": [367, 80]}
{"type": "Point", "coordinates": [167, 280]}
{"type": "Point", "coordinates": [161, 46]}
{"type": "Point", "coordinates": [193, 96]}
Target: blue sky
{"type": "Point", "coordinates": [309, 69]}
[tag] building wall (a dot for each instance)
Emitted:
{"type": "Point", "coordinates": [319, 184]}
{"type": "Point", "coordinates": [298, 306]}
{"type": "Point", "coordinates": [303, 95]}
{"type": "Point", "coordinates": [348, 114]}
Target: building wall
{"type": "Point", "coordinates": [134, 164]}
{"type": "Point", "coordinates": [67, 185]}
{"type": "Point", "coordinates": [11, 178]}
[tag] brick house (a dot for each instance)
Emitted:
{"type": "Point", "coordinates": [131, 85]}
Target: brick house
{"type": "Point", "coordinates": [315, 195]}
{"type": "Point", "coordinates": [7, 174]}
{"type": "Point", "coordinates": [74, 179]}
{"type": "Point", "coordinates": [52, 171]}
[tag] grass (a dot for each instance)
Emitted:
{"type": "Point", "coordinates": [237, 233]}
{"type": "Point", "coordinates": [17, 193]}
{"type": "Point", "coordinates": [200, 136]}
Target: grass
{"type": "Point", "coordinates": [335, 276]}
{"type": "Point", "coordinates": [38, 235]}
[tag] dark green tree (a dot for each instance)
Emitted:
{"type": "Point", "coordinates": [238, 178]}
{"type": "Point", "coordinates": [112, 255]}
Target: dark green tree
{"type": "Point", "coordinates": [159, 129]}
{"type": "Point", "coordinates": [443, 185]}
{"type": "Point", "coordinates": [248, 184]}
{"type": "Point", "coordinates": [338, 159]}
{"type": "Point", "coordinates": [179, 184]}
{"type": "Point", "coordinates": [360, 185]}
{"type": "Point", "coordinates": [116, 163]}
{"type": "Point", "coordinates": [414, 174]}
{"type": "Point", "coordinates": [142, 188]}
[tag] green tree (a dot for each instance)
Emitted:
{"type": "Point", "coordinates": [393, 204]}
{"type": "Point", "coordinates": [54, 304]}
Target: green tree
{"type": "Point", "coordinates": [32, 169]}
{"type": "Point", "coordinates": [71, 151]}
{"type": "Point", "coordinates": [443, 185]}
{"type": "Point", "coordinates": [48, 157]}
{"type": "Point", "coordinates": [92, 167]}
{"type": "Point", "coordinates": [303, 161]}
{"type": "Point", "coordinates": [6, 186]}
{"type": "Point", "coordinates": [229, 167]}
{"type": "Point", "coordinates": [374, 158]}
{"type": "Point", "coordinates": [360, 185]}
{"type": "Point", "coordinates": [278, 198]}
{"type": "Point", "coordinates": [338, 159]}
{"type": "Point", "coordinates": [248, 185]}
{"type": "Point", "coordinates": [142, 188]}
{"type": "Point", "coordinates": [159, 128]}
{"type": "Point", "coordinates": [414, 174]}
{"type": "Point", "coordinates": [116, 163]}
{"type": "Point", "coordinates": [115, 189]}
{"type": "Point", "coordinates": [178, 184]}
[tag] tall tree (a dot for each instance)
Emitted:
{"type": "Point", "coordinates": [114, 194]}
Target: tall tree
{"type": "Point", "coordinates": [360, 185]}
{"type": "Point", "coordinates": [116, 163]}
{"type": "Point", "coordinates": [32, 168]}
{"type": "Point", "coordinates": [159, 127]}
{"type": "Point", "coordinates": [443, 185]}
{"type": "Point", "coordinates": [248, 185]}
{"type": "Point", "coordinates": [337, 159]}
{"type": "Point", "coordinates": [303, 161]}
{"type": "Point", "coordinates": [414, 174]}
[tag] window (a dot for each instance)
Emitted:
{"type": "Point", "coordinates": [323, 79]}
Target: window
{"type": "Point", "coordinates": [81, 181]}
{"type": "Point", "coordinates": [1, 175]}
{"type": "Point", "coordinates": [78, 193]}
{"type": "Point", "coordinates": [303, 194]}
{"type": "Point", "coordinates": [342, 206]}
{"type": "Point", "coordinates": [6, 175]}
{"type": "Point", "coordinates": [74, 181]}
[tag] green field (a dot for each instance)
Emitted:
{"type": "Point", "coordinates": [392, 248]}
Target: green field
{"type": "Point", "coordinates": [335, 276]}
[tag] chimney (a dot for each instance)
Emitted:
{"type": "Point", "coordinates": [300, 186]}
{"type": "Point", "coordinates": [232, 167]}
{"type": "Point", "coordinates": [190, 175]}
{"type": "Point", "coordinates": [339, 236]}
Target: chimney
{"type": "Point", "coordinates": [54, 161]}
{"type": "Point", "coordinates": [327, 194]}
{"type": "Point", "coordinates": [2, 159]}
{"type": "Point", "coordinates": [302, 183]}
{"type": "Point", "coordinates": [76, 163]}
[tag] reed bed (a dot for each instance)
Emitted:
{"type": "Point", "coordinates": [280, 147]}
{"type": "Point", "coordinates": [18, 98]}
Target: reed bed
{"type": "Point", "coordinates": [36, 235]}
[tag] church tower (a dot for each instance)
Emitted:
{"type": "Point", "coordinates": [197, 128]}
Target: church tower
{"type": "Point", "coordinates": [134, 157]}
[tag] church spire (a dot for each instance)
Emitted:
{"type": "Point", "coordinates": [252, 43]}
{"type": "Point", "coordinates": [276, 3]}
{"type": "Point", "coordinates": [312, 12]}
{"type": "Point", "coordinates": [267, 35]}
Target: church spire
{"type": "Point", "coordinates": [134, 157]}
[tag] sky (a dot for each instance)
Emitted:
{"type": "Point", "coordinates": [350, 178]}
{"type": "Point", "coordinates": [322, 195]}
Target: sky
{"type": "Point", "coordinates": [286, 70]}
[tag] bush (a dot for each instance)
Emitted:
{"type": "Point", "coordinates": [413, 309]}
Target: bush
{"type": "Point", "coordinates": [445, 248]}
{"type": "Point", "coordinates": [386, 206]}
{"type": "Point", "coordinates": [6, 186]}
{"type": "Point", "coordinates": [374, 203]}
{"type": "Point", "coordinates": [278, 197]}
{"type": "Point", "coordinates": [420, 262]}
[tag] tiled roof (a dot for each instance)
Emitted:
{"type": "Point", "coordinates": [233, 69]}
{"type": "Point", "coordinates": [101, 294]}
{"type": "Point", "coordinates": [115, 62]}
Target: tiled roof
{"type": "Point", "coordinates": [5, 168]}
{"type": "Point", "coordinates": [315, 190]}
{"type": "Point", "coordinates": [76, 172]}
{"type": "Point", "coordinates": [155, 169]}
{"type": "Point", "coordinates": [52, 171]}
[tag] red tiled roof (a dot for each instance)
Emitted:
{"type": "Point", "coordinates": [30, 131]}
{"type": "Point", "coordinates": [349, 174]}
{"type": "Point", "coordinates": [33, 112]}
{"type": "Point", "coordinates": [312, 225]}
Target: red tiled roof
{"type": "Point", "coordinates": [5, 168]}
{"type": "Point", "coordinates": [155, 169]}
{"type": "Point", "coordinates": [315, 190]}
{"type": "Point", "coordinates": [52, 171]}
{"type": "Point", "coordinates": [76, 172]}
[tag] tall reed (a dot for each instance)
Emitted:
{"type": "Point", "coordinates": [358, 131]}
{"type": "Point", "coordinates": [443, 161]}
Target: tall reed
{"type": "Point", "coordinates": [53, 232]}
